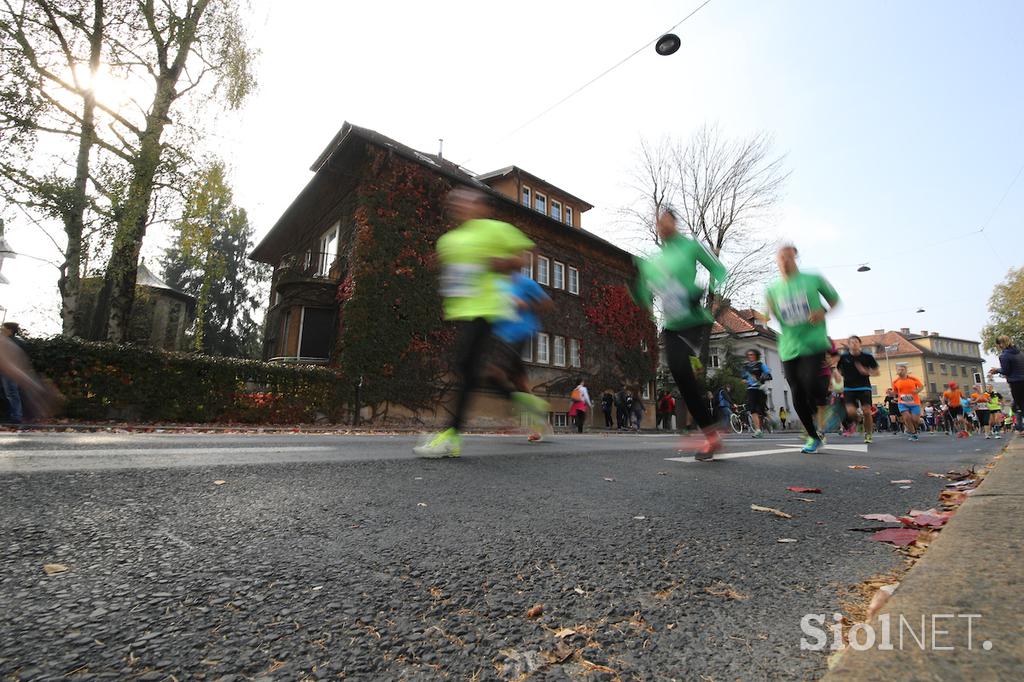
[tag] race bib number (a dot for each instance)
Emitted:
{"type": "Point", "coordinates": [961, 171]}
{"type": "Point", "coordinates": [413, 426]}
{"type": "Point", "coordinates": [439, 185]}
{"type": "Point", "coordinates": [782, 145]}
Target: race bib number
{"type": "Point", "coordinates": [675, 299]}
{"type": "Point", "coordinates": [906, 398]}
{"type": "Point", "coordinates": [794, 310]}
{"type": "Point", "coordinates": [460, 280]}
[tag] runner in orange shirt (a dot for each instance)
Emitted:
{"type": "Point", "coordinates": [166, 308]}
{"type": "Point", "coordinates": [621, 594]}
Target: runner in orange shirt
{"type": "Point", "coordinates": [953, 397]}
{"type": "Point", "coordinates": [908, 389]}
{"type": "Point", "coordinates": [981, 398]}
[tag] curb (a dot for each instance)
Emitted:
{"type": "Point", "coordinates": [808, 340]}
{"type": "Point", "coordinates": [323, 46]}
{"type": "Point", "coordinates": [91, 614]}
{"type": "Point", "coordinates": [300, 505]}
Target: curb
{"type": "Point", "coordinates": [964, 594]}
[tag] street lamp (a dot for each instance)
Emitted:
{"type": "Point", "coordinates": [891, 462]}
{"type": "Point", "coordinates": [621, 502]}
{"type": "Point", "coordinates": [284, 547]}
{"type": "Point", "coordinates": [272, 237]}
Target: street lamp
{"type": "Point", "coordinates": [864, 268]}
{"type": "Point", "coordinates": [920, 310]}
{"type": "Point", "coordinates": [667, 44]}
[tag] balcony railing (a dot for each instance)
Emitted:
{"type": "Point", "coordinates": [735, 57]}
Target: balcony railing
{"type": "Point", "coordinates": [309, 265]}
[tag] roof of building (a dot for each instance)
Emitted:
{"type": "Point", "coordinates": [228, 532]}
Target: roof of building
{"type": "Point", "coordinates": [512, 170]}
{"type": "Point", "coordinates": [145, 278]}
{"type": "Point", "coordinates": [343, 139]}
{"type": "Point", "coordinates": [743, 321]}
{"type": "Point", "coordinates": [903, 344]}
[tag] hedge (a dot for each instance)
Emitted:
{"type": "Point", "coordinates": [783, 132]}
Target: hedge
{"type": "Point", "coordinates": [108, 381]}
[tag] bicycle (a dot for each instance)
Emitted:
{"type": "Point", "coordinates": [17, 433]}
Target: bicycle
{"type": "Point", "coordinates": [741, 419]}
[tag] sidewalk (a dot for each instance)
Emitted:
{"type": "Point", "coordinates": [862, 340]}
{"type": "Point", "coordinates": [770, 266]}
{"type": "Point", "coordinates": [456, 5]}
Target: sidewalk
{"type": "Point", "coordinates": [968, 588]}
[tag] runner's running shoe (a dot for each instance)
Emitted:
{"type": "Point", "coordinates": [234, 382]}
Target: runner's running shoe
{"type": "Point", "coordinates": [867, 438]}
{"type": "Point", "coordinates": [812, 446]}
{"type": "Point", "coordinates": [913, 437]}
{"type": "Point", "coordinates": [448, 443]}
{"type": "Point", "coordinates": [532, 404]}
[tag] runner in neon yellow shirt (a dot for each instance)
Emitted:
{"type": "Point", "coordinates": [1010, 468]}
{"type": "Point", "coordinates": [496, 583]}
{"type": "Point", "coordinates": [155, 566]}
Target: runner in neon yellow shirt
{"type": "Point", "coordinates": [476, 259]}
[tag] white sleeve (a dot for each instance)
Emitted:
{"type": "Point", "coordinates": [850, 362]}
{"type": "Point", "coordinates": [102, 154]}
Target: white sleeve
{"type": "Point", "coordinates": [586, 396]}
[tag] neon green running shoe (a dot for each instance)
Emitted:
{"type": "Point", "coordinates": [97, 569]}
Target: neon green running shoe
{"type": "Point", "coordinates": [447, 443]}
{"type": "Point", "coordinates": [532, 404]}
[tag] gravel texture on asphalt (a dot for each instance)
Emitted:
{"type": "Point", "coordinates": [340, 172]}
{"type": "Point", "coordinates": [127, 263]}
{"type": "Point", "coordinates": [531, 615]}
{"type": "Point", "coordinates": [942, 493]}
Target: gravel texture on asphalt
{"type": "Point", "coordinates": [411, 569]}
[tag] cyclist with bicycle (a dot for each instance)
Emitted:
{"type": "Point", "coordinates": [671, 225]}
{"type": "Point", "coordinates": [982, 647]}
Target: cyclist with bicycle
{"type": "Point", "coordinates": [755, 373]}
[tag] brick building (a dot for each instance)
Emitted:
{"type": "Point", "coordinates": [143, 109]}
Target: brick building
{"type": "Point", "coordinates": [307, 248]}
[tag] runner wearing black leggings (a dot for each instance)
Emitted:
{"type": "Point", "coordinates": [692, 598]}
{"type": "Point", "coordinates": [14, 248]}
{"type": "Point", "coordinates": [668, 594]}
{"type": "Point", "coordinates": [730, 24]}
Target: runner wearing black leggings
{"type": "Point", "coordinates": [796, 302]}
{"type": "Point", "coordinates": [671, 275]}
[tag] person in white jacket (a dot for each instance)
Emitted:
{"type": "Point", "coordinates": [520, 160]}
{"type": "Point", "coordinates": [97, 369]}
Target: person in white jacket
{"type": "Point", "coordinates": [580, 405]}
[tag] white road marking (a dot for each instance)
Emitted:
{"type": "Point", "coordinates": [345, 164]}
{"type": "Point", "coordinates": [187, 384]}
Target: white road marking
{"type": "Point", "coordinates": [844, 447]}
{"type": "Point", "coordinates": [782, 449]}
{"type": "Point", "coordinates": [162, 452]}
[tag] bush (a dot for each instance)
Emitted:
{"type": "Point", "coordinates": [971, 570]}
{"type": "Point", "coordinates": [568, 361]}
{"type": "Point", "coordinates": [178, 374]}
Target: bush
{"type": "Point", "coordinates": [110, 381]}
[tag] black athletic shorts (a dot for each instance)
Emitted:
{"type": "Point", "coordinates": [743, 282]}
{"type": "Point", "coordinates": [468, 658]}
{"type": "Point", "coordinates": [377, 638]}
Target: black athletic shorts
{"type": "Point", "coordinates": [982, 417]}
{"type": "Point", "coordinates": [507, 356]}
{"type": "Point", "coordinates": [757, 401]}
{"type": "Point", "coordinates": [857, 398]}
{"type": "Point", "coordinates": [957, 411]}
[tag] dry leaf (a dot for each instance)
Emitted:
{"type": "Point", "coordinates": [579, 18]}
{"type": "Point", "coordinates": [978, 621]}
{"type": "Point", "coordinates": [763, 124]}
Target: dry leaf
{"type": "Point", "coordinates": [565, 632]}
{"type": "Point", "coordinates": [901, 537]}
{"type": "Point", "coordinates": [639, 518]}
{"type": "Point", "coordinates": [777, 512]}
{"type": "Point", "coordinates": [51, 569]}
{"type": "Point", "coordinates": [720, 589]}
{"type": "Point", "coordinates": [421, 504]}
{"type": "Point", "coordinates": [560, 654]}
{"type": "Point", "coordinates": [609, 479]}
{"type": "Point", "coordinates": [579, 590]}
{"type": "Point", "coordinates": [903, 480]}
{"type": "Point", "coordinates": [786, 540]}
{"type": "Point", "coordinates": [931, 475]}
{"type": "Point", "coordinates": [535, 611]}
{"type": "Point", "coordinates": [856, 466]}
{"type": "Point", "coordinates": [884, 518]}
{"type": "Point", "coordinates": [906, 487]}
{"type": "Point", "coordinates": [663, 473]}
{"type": "Point", "coordinates": [803, 499]}
{"type": "Point", "coordinates": [219, 482]}
{"type": "Point", "coordinates": [798, 489]}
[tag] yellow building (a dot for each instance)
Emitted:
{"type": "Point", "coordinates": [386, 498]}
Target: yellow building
{"type": "Point", "coordinates": [934, 359]}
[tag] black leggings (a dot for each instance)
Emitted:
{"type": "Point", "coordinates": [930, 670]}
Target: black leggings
{"type": "Point", "coordinates": [803, 373]}
{"type": "Point", "coordinates": [1017, 391]}
{"type": "Point", "coordinates": [678, 352]}
{"type": "Point", "coordinates": [471, 343]}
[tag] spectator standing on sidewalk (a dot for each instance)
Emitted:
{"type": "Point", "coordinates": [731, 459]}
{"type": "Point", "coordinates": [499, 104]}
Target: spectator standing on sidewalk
{"type": "Point", "coordinates": [607, 403]}
{"type": "Point", "coordinates": [666, 408]}
{"type": "Point", "coordinates": [638, 408]}
{"type": "Point", "coordinates": [783, 416]}
{"type": "Point", "coordinates": [1011, 366]}
{"type": "Point", "coordinates": [622, 411]}
{"type": "Point", "coordinates": [580, 405]}
{"type": "Point", "coordinates": [15, 412]}
{"type": "Point", "coordinates": [725, 404]}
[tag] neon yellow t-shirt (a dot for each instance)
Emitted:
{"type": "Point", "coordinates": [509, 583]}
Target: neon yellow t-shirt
{"type": "Point", "coordinates": [470, 288]}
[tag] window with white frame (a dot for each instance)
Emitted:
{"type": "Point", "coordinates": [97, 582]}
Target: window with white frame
{"type": "Point", "coordinates": [527, 269]}
{"type": "Point", "coordinates": [556, 210]}
{"type": "Point", "coordinates": [328, 249]}
{"type": "Point", "coordinates": [543, 356]}
{"type": "Point", "coordinates": [557, 275]}
{"type": "Point", "coordinates": [559, 351]}
{"type": "Point", "coordinates": [543, 266]}
{"type": "Point", "coordinates": [568, 215]}
{"type": "Point", "coordinates": [574, 353]}
{"type": "Point", "coordinates": [527, 198]}
{"type": "Point", "coordinates": [540, 203]}
{"type": "Point", "coordinates": [646, 393]}
{"type": "Point", "coordinates": [527, 353]}
{"type": "Point", "coordinates": [714, 361]}
{"type": "Point", "coordinates": [558, 418]}
{"type": "Point", "coordinates": [574, 281]}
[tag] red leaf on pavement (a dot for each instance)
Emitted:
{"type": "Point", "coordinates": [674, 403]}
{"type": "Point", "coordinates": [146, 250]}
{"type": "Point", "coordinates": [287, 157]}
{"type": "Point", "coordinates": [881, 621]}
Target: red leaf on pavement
{"type": "Point", "coordinates": [884, 518]}
{"type": "Point", "coordinates": [798, 489]}
{"type": "Point", "coordinates": [931, 521]}
{"type": "Point", "coordinates": [856, 466]}
{"type": "Point", "coordinates": [931, 475]}
{"type": "Point", "coordinates": [901, 537]}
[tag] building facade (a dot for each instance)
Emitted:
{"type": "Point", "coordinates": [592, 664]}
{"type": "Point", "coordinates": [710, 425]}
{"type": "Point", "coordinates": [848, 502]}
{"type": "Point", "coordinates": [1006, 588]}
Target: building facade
{"type": "Point", "coordinates": [311, 250]}
{"type": "Point", "coordinates": [933, 358]}
{"type": "Point", "coordinates": [740, 330]}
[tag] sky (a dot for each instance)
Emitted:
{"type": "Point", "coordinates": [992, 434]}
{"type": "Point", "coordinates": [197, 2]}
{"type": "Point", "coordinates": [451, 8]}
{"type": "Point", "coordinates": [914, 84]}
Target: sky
{"type": "Point", "coordinates": [901, 124]}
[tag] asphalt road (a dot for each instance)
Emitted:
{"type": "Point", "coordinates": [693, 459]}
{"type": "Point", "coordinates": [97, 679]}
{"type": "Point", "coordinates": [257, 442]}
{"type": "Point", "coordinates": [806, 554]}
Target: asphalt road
{"type": "Point", "coordinates": [328, 556]}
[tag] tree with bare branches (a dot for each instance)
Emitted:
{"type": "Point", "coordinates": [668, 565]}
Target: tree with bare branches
{"type": "Point", "coordinates": [100, 111]}
{"type": "Point", "coordinates": [723, 192]}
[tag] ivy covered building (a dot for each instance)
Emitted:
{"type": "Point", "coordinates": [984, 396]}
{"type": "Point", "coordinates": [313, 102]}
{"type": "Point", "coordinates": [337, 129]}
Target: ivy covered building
{"type": "Point", "coordinates": [354, 284]}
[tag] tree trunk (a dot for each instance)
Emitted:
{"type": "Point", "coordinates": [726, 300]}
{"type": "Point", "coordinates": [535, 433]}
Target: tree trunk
{"type": "Point", "coordinates": [70, 282]}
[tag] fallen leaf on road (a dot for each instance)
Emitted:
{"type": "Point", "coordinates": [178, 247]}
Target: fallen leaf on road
{"type": "Point", "coordinates": [318, 588]}
{"type": "Point", "coordinates": [856, 466]}
{"type": "Point", "coordinates": [639, 518]}
{"type": "Point", "coordinates": [902, 480]}
{"type": "Point", "coordinates": [417, 478]}
{"type": "Point", "coordinates": [786, 540]}
{"type": "Point", "coordinates": [798, 489]}
{"type": "Point", "coordinates": [777, 512]}
{"type": "Point", "coordinates": [219, 482]}
{"type": "Point", "coordinates": [663, 473]}
{"type": "Point", "coordinates": [579, 590]}
{"type": "Point", "coordinates": [720, 589]}
{"type": "Point", "coordinates": [564, 632]}
{"type": "Point", "coordinates": [901, 537]}
{"type": "Point", "coordinates": [609, 479]}
{"type": "Point", "coordinates": [923, 520]}
{"type": "Point", "coordinates": [934, 475]}
{"type": "Point", "coordinates": [803, 499]}
{"type": "Point", "coordinates": [560, 654]}
{"type": "Point", "coordinates": [884, 518]}
{"type": "Point", "coordinates": [906, 487]}
{"type": "Point", "coordinates": [50, 569]}
{"type": "Point", "coordinates": [535, 611]}
{"type": "Point", "coordinates": [421, 504]}
{"type": "Point", "coordinates": [952, 497]}
{"type": "Point", "coordinates": [960, 484]}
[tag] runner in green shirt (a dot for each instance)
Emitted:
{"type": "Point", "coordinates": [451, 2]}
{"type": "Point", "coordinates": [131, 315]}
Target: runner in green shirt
{"type": "Point", "coordinates": [476, 259]}
{"type": "Point", "coordinates": [795, 301]}
{"type": "Point", "coordinates": [671, 275]}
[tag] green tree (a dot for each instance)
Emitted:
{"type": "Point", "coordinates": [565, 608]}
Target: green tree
{"type": "Point", "coordinates": [100, 111]}
{"type": "Point", "coordinates": [208, 259]}
{"type": "Point", "coordinates": [1006, 310]}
